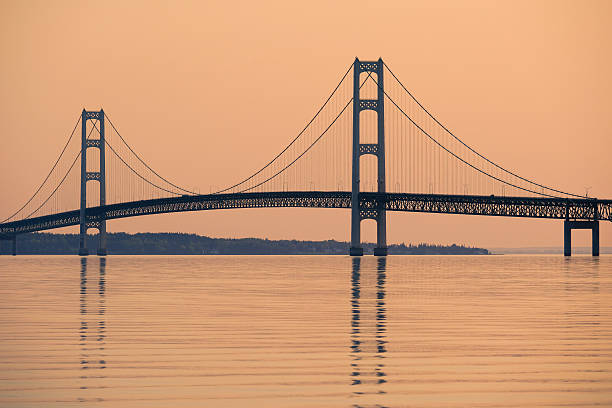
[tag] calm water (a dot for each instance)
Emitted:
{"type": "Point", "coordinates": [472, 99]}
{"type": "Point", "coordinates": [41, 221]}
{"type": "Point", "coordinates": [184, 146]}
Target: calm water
{"type": "Point", "coordinates": [306, 331]}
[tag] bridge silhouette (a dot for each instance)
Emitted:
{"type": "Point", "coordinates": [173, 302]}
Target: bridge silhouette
{"type": "Point", "coordinates": [372, 147]}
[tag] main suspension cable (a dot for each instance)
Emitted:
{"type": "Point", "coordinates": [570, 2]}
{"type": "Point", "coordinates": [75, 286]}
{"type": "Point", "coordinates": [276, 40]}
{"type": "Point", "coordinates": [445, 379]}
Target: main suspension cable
{"type": "Point", "coordinates": [56, 188]}
{"type": "Point", "coordinates": [453, 154]}
{"type": "Point", "coordinates": [295, 139]}
{"type": "Point", "coordinates": [143, 162]}
{"type": "Point", "coordinates": [132, 169]}
{"type": "Point", "coordinates": [65, 175]}
{"type": "Point", "coordinates": [49, 174]}
{"type": "Point", "coordinates": [136, 173]}
{"type": "Point", "coordinates": [313, 143]}
{"type": "Point", "coordinates": [472, 150]}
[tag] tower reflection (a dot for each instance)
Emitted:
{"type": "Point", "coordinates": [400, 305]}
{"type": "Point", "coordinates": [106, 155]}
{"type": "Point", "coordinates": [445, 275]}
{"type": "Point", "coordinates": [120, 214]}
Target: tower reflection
{"type": "Point", "coordinates": [368, 328]}
{"type": "Point", "coordinates": [92, 331]}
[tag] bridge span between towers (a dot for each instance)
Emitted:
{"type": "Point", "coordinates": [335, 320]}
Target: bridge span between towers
{"type": "Point", "coordinates": [587, 211]}
{"type": "Point", "coordinates": [371, 147]}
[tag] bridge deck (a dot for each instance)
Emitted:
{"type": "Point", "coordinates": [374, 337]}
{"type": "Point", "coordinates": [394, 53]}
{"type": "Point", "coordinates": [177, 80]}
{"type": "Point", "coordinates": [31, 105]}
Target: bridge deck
{"type": "Point", "coordinates": [531, 207]}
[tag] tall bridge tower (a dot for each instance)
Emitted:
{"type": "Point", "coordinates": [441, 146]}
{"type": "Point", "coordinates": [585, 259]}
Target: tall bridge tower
{"type": "Point", "coordinates": [370, 209]}
{"type": "Point", "coordinates": [86, 221]}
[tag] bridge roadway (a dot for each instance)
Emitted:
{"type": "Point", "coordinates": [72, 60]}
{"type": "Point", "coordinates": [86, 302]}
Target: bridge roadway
{"type": "Point", "coordinates": [530, 207]}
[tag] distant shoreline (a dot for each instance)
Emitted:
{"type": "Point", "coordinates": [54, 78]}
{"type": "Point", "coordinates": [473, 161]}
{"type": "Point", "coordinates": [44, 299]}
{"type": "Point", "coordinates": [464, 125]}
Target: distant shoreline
{"type": "Point", "coordinates": [192, 244]}
{"type": "Point", "coordinates": [577, 250]}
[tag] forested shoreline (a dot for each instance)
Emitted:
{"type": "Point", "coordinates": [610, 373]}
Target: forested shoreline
{"type": "Point", "coordinates": [192, 244]}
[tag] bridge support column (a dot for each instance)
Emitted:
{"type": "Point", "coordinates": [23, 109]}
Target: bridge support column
{"type": "Point", "coordinates": [567, 239]}
{"type": "Point", "coordinates": [14, 242]}
{"type": "Point", "coordinates": [568, 226]}
{"type": "Point", "coordinates": [595, 239]}
{"type": "Point", "coordinates": [102, 180]}
{"type": "Point", "coordinates": [102, 246]}
{"type": "Point", "coordinates": [381, 231]}
{"type": "Point", "coordinates": [356, 249]}
{"type": "Point", "coordinates": [83, 207]}
{"type": "Point", "coordinates": [358, 212]}
{"type": "Point", "coordinates": [99, 176]}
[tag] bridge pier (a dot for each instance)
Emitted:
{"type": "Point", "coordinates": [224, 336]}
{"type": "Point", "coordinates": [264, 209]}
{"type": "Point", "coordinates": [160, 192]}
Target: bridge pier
{"type": "Point", "coordinates": [14, 241]}
{"type": "Point", "coordinates": [381, 231]}
{"type": "Point", "coordinates": [356, 251]}
{"type": "Point", "coordinates": [102, 244]}
{"type": "Point", "coordinates": [568, 226]}
{"type": "Point", "coordinates": [380, 251]}
{"type": "Point", "coordinates": [83, 251]}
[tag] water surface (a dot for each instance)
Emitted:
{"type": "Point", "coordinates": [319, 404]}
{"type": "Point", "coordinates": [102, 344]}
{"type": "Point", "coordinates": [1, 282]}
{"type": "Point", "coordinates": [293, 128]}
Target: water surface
{"type": "Point", "coordinates": [305, 331]}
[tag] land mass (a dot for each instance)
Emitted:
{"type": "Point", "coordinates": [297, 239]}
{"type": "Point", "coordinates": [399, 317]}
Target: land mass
{"type": "Point", "coordinates": [585, 250]}
{"type": "Point", "coordinates": [192, 244]}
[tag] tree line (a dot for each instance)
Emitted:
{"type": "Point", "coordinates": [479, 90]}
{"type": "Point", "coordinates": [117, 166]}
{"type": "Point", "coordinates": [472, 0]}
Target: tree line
{"type": "Point", "coordinates": [191, 244]}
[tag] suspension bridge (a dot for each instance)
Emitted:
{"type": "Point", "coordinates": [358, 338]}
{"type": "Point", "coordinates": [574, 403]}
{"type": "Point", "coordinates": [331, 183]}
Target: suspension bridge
{"type": "Point", "coordinates": [371, 147]}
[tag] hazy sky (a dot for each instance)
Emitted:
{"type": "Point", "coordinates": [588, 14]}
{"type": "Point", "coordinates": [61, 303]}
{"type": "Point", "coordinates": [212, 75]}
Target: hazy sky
{"type": "Point", "coordinates": [208, 91]}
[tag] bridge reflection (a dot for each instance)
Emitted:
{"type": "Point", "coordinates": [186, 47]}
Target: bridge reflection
{"type": "Point", "coordinates": [92, 331]}
{"type": "Point", "coordinates": [368, 329]}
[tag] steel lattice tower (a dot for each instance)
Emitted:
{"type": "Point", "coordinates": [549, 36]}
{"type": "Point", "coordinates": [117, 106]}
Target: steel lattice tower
{"type": "Point", "coordinates": [85, 221]}
{"type": "Point", "coordinates": [360, 209]}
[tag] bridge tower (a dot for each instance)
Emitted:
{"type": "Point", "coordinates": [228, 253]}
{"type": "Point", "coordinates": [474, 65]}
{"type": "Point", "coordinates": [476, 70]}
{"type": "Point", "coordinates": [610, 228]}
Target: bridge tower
{"type": "Point", "coordinates": [373, 208]}
{"type": "Point", "coordinates": [86, 221]}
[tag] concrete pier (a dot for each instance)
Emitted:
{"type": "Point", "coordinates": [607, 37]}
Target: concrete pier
{"type": "Point", "coordinates": [568, 226]}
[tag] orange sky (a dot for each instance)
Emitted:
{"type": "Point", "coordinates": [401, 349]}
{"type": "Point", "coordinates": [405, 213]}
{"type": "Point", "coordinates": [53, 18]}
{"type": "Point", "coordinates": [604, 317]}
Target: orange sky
{"type": "Point", "coordinates": [208, 91]}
